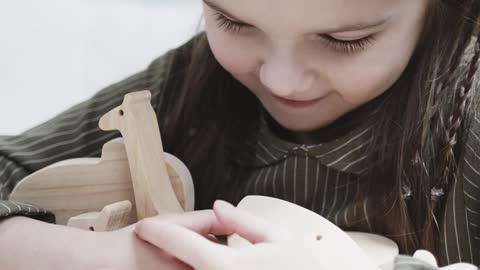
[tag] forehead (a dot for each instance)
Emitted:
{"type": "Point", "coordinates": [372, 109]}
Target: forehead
{"type": "Point", "coordinates": [308, 14]}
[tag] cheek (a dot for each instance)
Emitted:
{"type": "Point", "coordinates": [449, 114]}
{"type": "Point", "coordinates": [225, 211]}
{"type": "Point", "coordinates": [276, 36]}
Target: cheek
{"type": "Point", "coordinates": [361, 81]}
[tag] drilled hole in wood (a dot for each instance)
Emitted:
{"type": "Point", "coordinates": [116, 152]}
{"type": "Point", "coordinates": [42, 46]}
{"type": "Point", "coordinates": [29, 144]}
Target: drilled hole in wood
{"type": "Point", "coordinates": [91, 229]}
{"type": "Point", "coordinates": [121, 112]}
{"type": "Point", "coordinates": [318, 237]}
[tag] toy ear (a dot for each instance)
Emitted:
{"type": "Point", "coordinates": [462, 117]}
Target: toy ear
{"type": "Point", "coordinates": [426, 256]}
{"type": "Point", "coordinates": [137, 97]}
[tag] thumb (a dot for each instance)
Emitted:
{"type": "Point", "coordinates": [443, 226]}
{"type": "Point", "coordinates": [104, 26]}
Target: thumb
{"type": "Point", "coordinates": [253, 228]}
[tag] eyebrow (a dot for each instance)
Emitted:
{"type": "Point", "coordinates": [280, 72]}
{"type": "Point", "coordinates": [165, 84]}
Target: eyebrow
{"type": "Point", "coordinates": [351, 27]}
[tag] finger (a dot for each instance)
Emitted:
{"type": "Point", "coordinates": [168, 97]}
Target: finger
{"type": "Point", "coordinates": [186, 245]}
{"type": "Point", "coordinates": [202, 222]}
{"type": "Point", "coordinates": [252, 228]}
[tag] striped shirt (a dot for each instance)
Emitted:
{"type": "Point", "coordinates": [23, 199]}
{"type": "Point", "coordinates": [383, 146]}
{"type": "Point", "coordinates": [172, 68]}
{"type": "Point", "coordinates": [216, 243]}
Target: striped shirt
{"type": "Point", "coordinates": [323, 177]}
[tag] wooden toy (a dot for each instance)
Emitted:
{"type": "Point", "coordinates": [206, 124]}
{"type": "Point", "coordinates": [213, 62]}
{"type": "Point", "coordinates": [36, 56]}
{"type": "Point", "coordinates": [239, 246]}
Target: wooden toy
{"type": "Point", "coordinates": [347, 248]}
{"type": "Point", "coordinates": [306, 225]}
{"type": "Point", "coordinates": [139, 127]}
{"type": "Point", "coordinates": [84, 186]}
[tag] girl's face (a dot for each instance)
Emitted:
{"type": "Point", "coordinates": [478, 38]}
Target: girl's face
{"type": "Point", "coordinates": [311, 61]}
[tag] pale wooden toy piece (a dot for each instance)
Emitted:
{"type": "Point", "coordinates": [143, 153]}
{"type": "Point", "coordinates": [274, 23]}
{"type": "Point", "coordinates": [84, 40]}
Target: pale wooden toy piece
{"type": "Point", "coordinates": [73, 187]}
{"type": "Point", "coordinates": [430, 259]}
{"type": "Point", "coordinates": [76, 186]}
{"type": "Point", "coordinates": [381, 249]}
{"type": "Point", "coordinates": [307, 225]}
{"type": "Point", "coordinates": [425, 256]}
{"type": "Point", "coordinates": [352, 246]}
{"type": "Point", "coordinates": [137, 122]}
{"type": "Point", "coordinates": [112, 217]}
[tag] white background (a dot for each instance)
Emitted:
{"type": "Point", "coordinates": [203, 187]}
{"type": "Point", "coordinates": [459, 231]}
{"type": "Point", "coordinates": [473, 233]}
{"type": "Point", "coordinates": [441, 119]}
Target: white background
{"type": "Point", "coordinates": [56, 53]}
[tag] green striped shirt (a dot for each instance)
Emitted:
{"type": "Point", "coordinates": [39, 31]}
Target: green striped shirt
{"type": "Point", "coordinates": [323, 177]}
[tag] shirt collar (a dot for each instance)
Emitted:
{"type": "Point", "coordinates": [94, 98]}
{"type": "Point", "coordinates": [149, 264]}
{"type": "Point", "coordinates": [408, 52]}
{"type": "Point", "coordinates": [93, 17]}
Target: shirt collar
{"type": "Point", "coordinates": [347, 153]}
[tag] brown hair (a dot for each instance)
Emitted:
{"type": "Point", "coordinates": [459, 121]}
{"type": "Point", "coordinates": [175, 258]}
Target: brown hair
{"type": "Point", "coordinates": [418, 123]}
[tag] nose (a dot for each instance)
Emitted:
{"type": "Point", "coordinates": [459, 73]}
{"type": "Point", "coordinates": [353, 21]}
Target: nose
{"type": "Point", "coordinates": [286, 77]}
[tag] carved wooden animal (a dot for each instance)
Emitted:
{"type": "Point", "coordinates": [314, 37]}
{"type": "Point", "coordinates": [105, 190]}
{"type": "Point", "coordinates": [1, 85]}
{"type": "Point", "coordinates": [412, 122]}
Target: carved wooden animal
{"type": "Point", "coordinates": [137, 122]}
{"type": "Point", "coordinates": [90, 190]}
{"type": "Point", "coordinates": [307, 225]}
{"type": "Point", "coordinates": [83, 185]}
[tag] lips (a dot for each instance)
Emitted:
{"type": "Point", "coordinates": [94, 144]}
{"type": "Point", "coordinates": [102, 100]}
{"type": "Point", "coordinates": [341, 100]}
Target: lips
{"type": "Point", "coordinates": [297, 103]}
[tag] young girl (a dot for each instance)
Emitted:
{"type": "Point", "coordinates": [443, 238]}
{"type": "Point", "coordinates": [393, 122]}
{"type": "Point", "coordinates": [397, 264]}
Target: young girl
{"type": "Point", "coordinates": [360, 110]}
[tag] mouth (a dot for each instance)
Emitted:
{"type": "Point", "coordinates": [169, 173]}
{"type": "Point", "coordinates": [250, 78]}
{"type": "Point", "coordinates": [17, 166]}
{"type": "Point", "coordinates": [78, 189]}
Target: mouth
{"type": "Point", "coordinates": [297, 103]}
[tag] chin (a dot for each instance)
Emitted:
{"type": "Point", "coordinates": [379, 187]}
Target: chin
{"type": "Point", "coordinates": [303, 126]}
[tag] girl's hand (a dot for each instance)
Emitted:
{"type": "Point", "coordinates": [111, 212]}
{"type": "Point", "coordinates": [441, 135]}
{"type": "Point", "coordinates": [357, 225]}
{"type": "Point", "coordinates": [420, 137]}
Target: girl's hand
{"type": "Point", "coordinates": [126, 251]}
{"type": "Point", "coordinates": [272, 247]}
{"type": "Point", "coordinates": [30, 244]}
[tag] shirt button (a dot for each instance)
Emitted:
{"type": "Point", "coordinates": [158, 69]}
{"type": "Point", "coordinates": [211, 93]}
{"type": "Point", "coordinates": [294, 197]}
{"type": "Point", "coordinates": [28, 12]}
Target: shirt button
{"type": "Point", "coordinates": [300, 150]}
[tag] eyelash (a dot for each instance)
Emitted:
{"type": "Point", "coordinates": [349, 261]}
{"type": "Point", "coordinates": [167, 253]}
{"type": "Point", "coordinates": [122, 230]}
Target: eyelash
{"type": "Point", "coordinates": [349, 47]}
{"type": "Point", "coordinates": [227, 24]}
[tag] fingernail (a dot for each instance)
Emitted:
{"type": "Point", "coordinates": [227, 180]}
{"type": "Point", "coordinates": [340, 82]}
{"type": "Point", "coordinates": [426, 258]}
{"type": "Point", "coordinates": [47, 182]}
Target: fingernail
{"type": "Point", "coordinates": [221, 203]}
{"type": "Point", "coordinates": [138, 227]}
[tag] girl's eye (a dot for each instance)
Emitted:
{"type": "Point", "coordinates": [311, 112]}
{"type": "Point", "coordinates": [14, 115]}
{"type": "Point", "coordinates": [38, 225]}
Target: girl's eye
{"type": "Point", "coordinates": [227, 24]}
{"type": "Point", "coordinates": [343, 46]}
{"type": "Point", "coordinates": [348, 46]}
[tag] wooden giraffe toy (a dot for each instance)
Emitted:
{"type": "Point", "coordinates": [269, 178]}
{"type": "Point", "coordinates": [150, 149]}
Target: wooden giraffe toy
{"type": "Point", "coordinates": [138, 124]}
{"type": "Point", "coordinates": [102, 194]}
